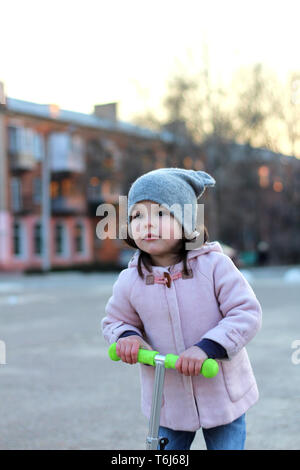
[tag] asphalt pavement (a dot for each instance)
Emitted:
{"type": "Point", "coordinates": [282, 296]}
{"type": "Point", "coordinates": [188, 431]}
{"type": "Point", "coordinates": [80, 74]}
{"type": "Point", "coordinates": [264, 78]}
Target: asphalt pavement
{"type": "Point", "coordinates": [59, 390]}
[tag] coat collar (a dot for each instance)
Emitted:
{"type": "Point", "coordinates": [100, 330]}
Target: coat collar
{"type": "Point", "coordinates": [205, 248]}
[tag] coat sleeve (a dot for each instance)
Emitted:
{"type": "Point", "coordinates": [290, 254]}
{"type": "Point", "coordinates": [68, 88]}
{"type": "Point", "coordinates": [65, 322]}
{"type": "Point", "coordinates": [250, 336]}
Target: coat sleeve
{"type": "Point", "coordinates": [241, 311]}
{"type": "Point", "coordinates": [120, 314]}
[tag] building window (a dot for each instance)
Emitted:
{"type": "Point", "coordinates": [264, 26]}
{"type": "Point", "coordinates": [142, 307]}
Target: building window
{"type": "Point", "coordinates": [60, 235]}
{"type": "Point", "coordinates": [16, 194]}
{"type": "Point", "coordinates": [37, 239]}
{"type": "Point", "coordinates": [54, 189]}
{"type": "Point", "coordinates": [14, 141]}
{"type": "Point", "coordinates": [38, 147]}
{"type": "Point", "coordinates": [66, 152]}
{"type": "Point", "coordinates": [66, 187]}
{"type": "Point", "coordinates": [18, 239]}
{"type": "Point", "coordinates": [79, 238]}
{"type": "Point", "coordinates": [27, 141]}
{"type": "Point", "coordinates": [37, 190]}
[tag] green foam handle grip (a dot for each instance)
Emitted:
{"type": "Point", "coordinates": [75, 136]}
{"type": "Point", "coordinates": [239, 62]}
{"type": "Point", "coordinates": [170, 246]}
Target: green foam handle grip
{"type": "Point", "coordinates": [209, 368]}
{"type": "Point", "coordinates": [144, 355]}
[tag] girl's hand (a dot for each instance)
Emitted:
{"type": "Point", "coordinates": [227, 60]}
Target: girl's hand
{"type": "Point", "coordinates": [190, 361]}
{"type": "Point", "coordinates": [127, 348]}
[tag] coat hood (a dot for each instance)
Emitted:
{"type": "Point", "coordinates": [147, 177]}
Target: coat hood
{"type": "Point", "coordinates": [205, 248]}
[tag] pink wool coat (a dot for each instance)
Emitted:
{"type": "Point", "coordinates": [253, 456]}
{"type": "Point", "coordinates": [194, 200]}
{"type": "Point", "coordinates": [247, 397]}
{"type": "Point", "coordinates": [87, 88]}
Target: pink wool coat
{"type": "Point", "coordinates": [216, 303]}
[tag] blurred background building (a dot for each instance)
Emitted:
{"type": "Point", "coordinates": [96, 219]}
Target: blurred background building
{"type": "Point", "coordinates": [79, 161]}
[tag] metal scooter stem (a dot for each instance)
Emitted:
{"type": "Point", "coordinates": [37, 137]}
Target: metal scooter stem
{"type": "Point", "coordinates": [152, 441]}
{"type": "Point", "coordinates": [153, 358]}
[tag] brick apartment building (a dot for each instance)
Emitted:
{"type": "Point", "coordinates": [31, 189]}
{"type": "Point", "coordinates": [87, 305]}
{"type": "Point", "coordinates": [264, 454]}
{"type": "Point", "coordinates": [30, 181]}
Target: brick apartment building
{"type": "Point", "coordinates": [92, 160]}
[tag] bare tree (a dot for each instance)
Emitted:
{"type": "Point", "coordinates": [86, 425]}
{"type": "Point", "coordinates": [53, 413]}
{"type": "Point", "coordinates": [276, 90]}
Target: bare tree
{"type": "Point", "coordinates": [291, 112]}
{"type": "Point", "coordinates": [258, 107]}
{"type": "Point", "coordinates": [193, 99]}
{"type": "Point", "coordinates": [255, 109]}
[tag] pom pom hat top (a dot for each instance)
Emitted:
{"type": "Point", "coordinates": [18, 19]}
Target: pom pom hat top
{"type": "Point", "coordinates": [175, 187]}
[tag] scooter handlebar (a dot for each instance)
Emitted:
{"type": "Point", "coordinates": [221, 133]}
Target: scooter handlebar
{"type": "Point", "coordinates": [209, 368]}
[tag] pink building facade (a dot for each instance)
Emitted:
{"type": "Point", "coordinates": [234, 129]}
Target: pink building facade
{"type": "Point", "coordinates": [70, 240]}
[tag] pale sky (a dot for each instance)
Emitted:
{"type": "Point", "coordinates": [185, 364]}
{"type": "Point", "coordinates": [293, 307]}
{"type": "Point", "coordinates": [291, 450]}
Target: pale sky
{"type": "Point", "coordinates": [80, 53]}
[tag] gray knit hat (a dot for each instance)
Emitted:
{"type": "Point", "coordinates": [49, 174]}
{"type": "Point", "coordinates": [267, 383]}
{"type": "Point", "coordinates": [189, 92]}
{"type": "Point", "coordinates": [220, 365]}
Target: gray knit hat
{"type": "Point", "coordinates": [172, 187]}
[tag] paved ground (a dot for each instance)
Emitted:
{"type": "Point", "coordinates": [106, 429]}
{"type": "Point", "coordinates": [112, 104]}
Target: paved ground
{"type": "Point", "coordinates": [59, 390]}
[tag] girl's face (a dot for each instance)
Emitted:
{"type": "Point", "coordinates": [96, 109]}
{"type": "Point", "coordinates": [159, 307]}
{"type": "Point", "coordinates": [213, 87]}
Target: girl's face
{"type": "Point", "coordinates": [154, 229]}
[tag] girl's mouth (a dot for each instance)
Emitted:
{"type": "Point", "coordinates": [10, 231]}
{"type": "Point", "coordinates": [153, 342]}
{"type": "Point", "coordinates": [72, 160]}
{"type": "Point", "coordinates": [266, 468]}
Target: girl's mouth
{"type": "Point", "coordinates": [150, 237]}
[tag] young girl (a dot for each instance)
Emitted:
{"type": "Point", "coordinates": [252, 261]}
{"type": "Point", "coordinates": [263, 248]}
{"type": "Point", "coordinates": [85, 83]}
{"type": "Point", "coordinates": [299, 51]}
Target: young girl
{"type": "Point", "coordinates": [191, 302]}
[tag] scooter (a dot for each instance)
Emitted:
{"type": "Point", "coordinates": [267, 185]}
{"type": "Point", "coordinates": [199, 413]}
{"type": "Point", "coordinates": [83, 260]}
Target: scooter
{"type": "Point", "coordinates": [209, 369]}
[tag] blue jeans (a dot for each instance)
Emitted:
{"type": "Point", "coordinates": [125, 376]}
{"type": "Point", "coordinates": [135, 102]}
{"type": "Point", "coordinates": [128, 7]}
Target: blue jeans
{"type": "Point", "coordinates": [230, 436]}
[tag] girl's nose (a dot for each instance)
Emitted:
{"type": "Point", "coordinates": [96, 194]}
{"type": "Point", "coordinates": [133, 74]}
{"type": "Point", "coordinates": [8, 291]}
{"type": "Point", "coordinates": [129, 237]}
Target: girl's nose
{"type": "Point", "coordinates": [147, 220]}
{"type": "Point", "coordinates": [149, 223]}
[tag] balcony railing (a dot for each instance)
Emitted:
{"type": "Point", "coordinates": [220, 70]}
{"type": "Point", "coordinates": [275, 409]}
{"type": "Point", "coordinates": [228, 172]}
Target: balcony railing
{"type": "Point", "coordinates": [21, 161]}
{"type": "Point", "coordinates": [95, 195]}
{"type": "Point", "coordinates": [67, 165]}
{"type": "Point", "coordinates": [23, 205]}
{"type": "Point", "coordinates": [70, 204]}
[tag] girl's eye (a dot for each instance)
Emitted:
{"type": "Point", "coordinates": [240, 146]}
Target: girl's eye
{"type": "Point", "coordinates": [161, 213]}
